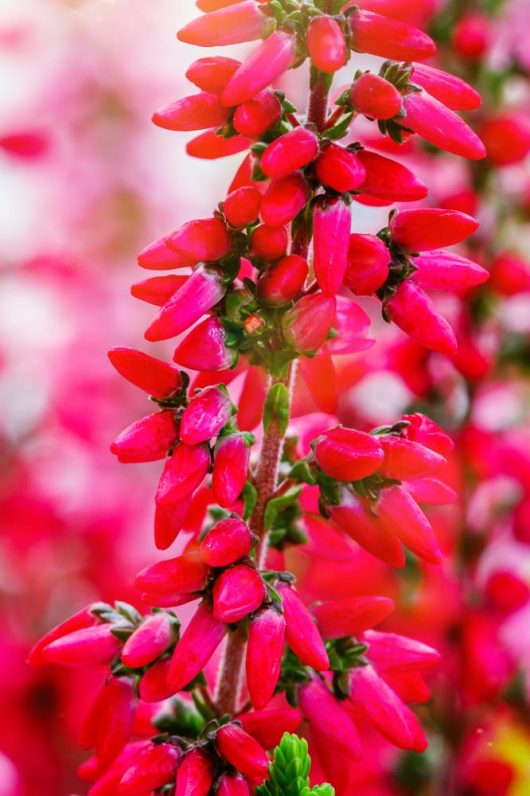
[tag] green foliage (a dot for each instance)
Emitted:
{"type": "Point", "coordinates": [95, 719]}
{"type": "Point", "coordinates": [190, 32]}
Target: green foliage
{"type": "Point", "coordinates": [276, 408]}
{"type": "Point", "coordinates": [289, 771]}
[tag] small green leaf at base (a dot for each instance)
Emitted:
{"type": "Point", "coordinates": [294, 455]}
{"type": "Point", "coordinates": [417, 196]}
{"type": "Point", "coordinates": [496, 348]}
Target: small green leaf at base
{"type": "Point", "coordinates": [289, 771]}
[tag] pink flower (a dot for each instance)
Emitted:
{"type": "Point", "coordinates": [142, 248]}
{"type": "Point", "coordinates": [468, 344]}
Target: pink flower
{"type": "Point", "coordinates": [449, 89]}
{"type": "Point", "coordinates": [440, 126]}
{"type": "Point", "coordinates": [265, 646]}
{"type": "Point", "coordinates": [149, 641]}
{"type": "Point", "coordinates": [201, 291]}
{"type": "Point", "coordinates": [309, 322]}
{"type": "Point", "coordinates": [388, 180]}
{"type": "Point", "coordinates": [195, 648]}
{"type": "Point", "coordinates": [155, 766]}
{"type": "Point", "coordinates": [109, 723]}
{"type": "Point", "coordinates": [257, 114]}
{"type": "Point", "coordinates": [204, 348]}
{"type": "Point", "coordinates": [89, 646]}
{"type": "Point", "coordinates": [227, 542]}
{"type": "Point", "coordinates": [264, 65]}
{"type": "Point", "coordinates": [243, 752]}
{"type": "Point", "coordinates": [183, 473]}
{"type": "Point", "coordinates": [237, 592]}
{"type": "Point", "coordinates": [430, 228]}
{"type": "Point", "coordinates": [375, 97]}
{"type": "Point", "coordinates": [331, 235]}
{"type": "Point", "coordinates": [413, 311]}
{"type": "Point", "coordinates": [230, 467]}
{"type": "Point", "coordinates": [326, 44]}
{"type": "Point", "coordinates": [324, 711]}
{"type": "Point", "coordinates": [380, 35]}
{"type": "Point", "coordinates": [289, 152]}
{"type": "Point", "coordinates": [195, 774]}
{"type": "Point", "coordinates": [283, 280]}
{"type": "Point", "coordinates": [157, 378]}
{"type": "Point", "coordinates": [352, 616]}
{"type": "Point", "coordinates": [283, 200]}
{"type": "Point", "coordinates": [202, 239]}
{"type": "Point", "coordinates": [368, 264]}
{"type": "Point", "coordinates": [338, 168]}
{"type": "Point", "coordinates": [231, 25]}
{"type": "Point", "coordinates": [205, 415]}
{"type": "Point", "coordinates": [147, 439]}
{"type": "Point", "coordinates": [302, 635]}
{"type": "Point", "coordinates": [198, 112]}
{"type": "Point", "coordinates": [348, 455]}
{"type": "Point", "coordinates": [185, 573]}
{"type": "Point", "coordinates": [211, 74]}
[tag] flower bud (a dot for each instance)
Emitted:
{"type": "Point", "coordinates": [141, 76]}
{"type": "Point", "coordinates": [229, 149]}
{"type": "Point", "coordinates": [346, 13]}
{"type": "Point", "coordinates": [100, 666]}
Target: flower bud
{"type": "Point", "coordinates": [157, 256]}
{"type": "Point", "coordinates": [383, 709]}
{"type": "Point", "coordinates": [425, 431]}
{"type": "Point", "coordinates": [205, 349]}
{"type": "Point", "coordinates": [354, 518]}
{"type": "Point", "coordinates": [309, 322]}
{"type": "Point", "coordinates": [284, 199]}
{"type": "Point", "coordinates": [228, 541]}
{"type": "Point", "coordinates": [147, 439]}
{"type": "Point", "coordinates": [413, 311]}
{"type": "Point", "coordinates": [202, 239]}
{"type": "Point", "coordinates": [109, 723]}
{"type": "Point", "coordinates": [157, 290]}
{"type": "Point", "coordinates": [197, 112]}
{"type": "Point", "coordinates": [153, 685]}
{"type": "Point", "coordinates": [430, 228]}
{"type": "Point", "coordinates": [185, 573]}
{"type": "Point", "coordinates": [242, 752]}
{"type": "Point", "coordinates": [325, 713]}
{"type": "Point", "coordinates": [453, 92]}
{"type": "Point", "coordinates": [348, 455]}
{"type": "Point", "coordinates": [282, 282]}
{"type": "Point", "coordinates": [233, 786]}
{"type": "Point", "coordinates": [236, 593]}
{"type": "Point", "coordinates": [401, 516]}
{"type": "Point", "coordinates": [441, 126]}
{"type": "Point", "coordinates": [205, 415]}
{"type": "Point", "coordinates": [506, 592]}
{"type": "Point", "coordinates": [388, 180]}
{"type": "Point", "coordinates": [169, 521]}
{"type": "Point", "coordinates": [268, 726]}
{"type": "Point", "coordinates": [510, 274]}
{"type": "Point", "coordinates": [326, 44]}
{"type": "Point", "coordinates": [257, 114]}
{"type": "Point", "coordinates": [392, 652]}
{"type": "Point", "coordinates": [301, 632]}
{"type": "Point", "coordinates": [232, 25]}
{"type": "Point", "coordinates": [338, 168]}
{"type": "Point", "coordinates": [155, 767]}
{"type": "Point", "coordinates": [368, 264]}
{"type": "Point", "coordinates": [389, 38]}
{"type": "Point", "coordinates": [289, 152]}
{"type": "Point", "coordinates": [195, 648]}
{"type": "Point", "coordinates": [440, 270]}
{"type": "Point", "coordinates": [230, 468]}
{"type": "Point", "coordinates": [157, 378]}
{"type": "Point", "coordinates": [89, 646]}
{"type": "Point", "coordinates": [506, 138]}
{"type": "Point", "coordinates": [406, 459]}
{"type": "Point", "coordinates": [470, 36]}
{"type": "Point", "coordinates": [82, 619]}
{"type": "Point", "coordinates": [149, 641]}
{"type": "Point", "coordinates": [430, 491]}
{"type": "Point", "coordinates": [375, 97]}
{"type": "Point", "coordinates": [241, 207]}
{"type": "Point", "coordinates": [211, 74]}
{"type": "Point", "coordinates": [183, 473]}
{"type": "Point", "coordinates": [351, 616]}
{"type": "Point", "coordinates": [210, 146]}
{"type": "Point", "coordinates": [269, 243]}
{"type": "Point", "coordinates": [331, 236]}
{"type": "Point", "coordinates": [262, 67]}
{"type": "Point", "coordinates": [195, 775]}
{"type": "Point", "coordinates": [252, 398]}
{"type": "Point", "coordinates": [266, 635]}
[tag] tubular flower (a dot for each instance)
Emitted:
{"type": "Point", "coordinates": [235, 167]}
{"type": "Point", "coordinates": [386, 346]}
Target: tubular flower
{"type": "Point", "coordinates": [230, 467]}
{"type": "Point", "coordinates": [205, 415]}
{"type": "Point", "coordinates": [228, 541]}
{"type": "Point", "coordinates": [264, 65]}
{"type": "Point", "coordinates": [232, 25]}
{"type": "Point", "coordinates": [264, 656]}
{"type": "Point", "coordinates": [237, 592]}
{"type": "Point", "coordinates": [243, 752]}
{"type": "Point", "coordinates": [389, 38]}
{"type": "Point", "coordinates": [375, 97]}
{"type": "Point", "coordinates": [290, 152]}
{"type": "Point", "coordinates": [339, 169]}
{"type": "Point", "coordinates": [331, 235]}
{"type": "Point", "coordinates": [197, 644]}
{"type": "Point", "coordinates": [368, 264]}
{"type": "Point", "coordinates": [302, 635]}
{"type": "Point", "coordinates": [348, 455]}
{"type": "Point", "coordinates": [326, 44]}
{"type": "Point", "coordinates": [148, 439]}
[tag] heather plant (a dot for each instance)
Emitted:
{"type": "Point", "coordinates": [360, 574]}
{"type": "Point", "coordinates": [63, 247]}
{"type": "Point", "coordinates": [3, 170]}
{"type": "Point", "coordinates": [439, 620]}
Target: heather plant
{"type": "Point", "coordinates": [267, 284]}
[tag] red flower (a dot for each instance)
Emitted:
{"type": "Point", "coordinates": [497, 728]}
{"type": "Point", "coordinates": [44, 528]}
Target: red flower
{"type": "Point", "coordinates": [205, 415]}
{"type": "Point", "coordinates": [257, 114]}
{"type": "Point", "coordinates": [195, 774]}
{"type": "Point", "coordinates": [195, 648]}
{"type": "Point", "coordinates": [241, 207]}
{"type": "Point", "coordinates": [430, 228]}
{"type": "Point", "coordinates": [309, 322]}
{"type": "Point", "coordinates": [197, 112]}
{"type": "Point", "coordinates": [201, 239]}
{"type": "Point", "coordinates": [289, 152]}
{"type": "Point", "coordinates": [230, 468]}
{"type": "Point", "coordinates": [281, 283]}
{"type": "Point", "coordinates": [368, 264]}
{"type": "Point", "coordinates": [243, 752]}
{"type": "Point", "coordinates": [375, 97]}
{"type": "Point", "coordinates": [147, 439]}
{"type": "Point", "coordinates": [352, 616]}
{"type": "Point", "coordinates": [266, 636]}
{"type": "Point", "coordinates": [326, 44]}
{"type": "Point", "coordinates": [227, 542]}
{"type": "Point", "coordinates": [231, 25]}
{"type": "Point", "coordinates": [348, 455]}
{"type": "Point", "coordinates": [301, 633]}
{"type": "Point", "coordinates": [204, 348]}
{"type": "Point", "coordinates": [339, 169]}
{"type": "Point", "coordinates": [211, 74]}
{"type": "Point", "coordinates": [183, 574]}
{"type": "Point", "coordinates": [149, 641]}
{"type": "Point", "coordinates": [379, 35]}
{"type": "Point", "coordinates": [283, 200]}
{"type": "Point", "coordinates": [237, 592]}
{"type": "Point", "coordinates": [183, 473]}
{"type": "Point", "coordinates": [413, 311]}
{"type": "Point", "coordinates": [152, 375]}
{"type": "Point", "coordinates": [331, 235]}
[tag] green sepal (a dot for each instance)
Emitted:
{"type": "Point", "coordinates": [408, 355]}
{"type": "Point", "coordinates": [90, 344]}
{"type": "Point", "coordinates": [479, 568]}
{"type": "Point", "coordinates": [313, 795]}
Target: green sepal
{"type": "Point", "coordinates": [250, 498]}
{"type": "Point", "coordinates": [301, 471]}
{"type": "Point", "coordinates": [277, 505]}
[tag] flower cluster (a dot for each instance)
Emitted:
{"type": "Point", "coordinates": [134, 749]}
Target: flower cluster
{"type": "Point", "coordinates": [275, 276]}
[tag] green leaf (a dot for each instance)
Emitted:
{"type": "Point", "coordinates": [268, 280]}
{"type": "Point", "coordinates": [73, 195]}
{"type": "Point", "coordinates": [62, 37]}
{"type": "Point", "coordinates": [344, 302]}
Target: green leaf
{"type": "Point", "coordinates": [278, 504]}
{"type": "Point", "coordinates": [250, 498]}
{"type": "Point", "coordinates": [289, 771]}
{"type": "Point", "coordinates": [276, 408]}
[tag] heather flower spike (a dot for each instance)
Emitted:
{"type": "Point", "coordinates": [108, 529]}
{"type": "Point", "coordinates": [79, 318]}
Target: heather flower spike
{"type": "Point", "coordinates": [279, 433]}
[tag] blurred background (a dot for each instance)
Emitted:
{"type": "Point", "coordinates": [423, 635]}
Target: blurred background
{"type": "Point", "coordinates": [87, 181]}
